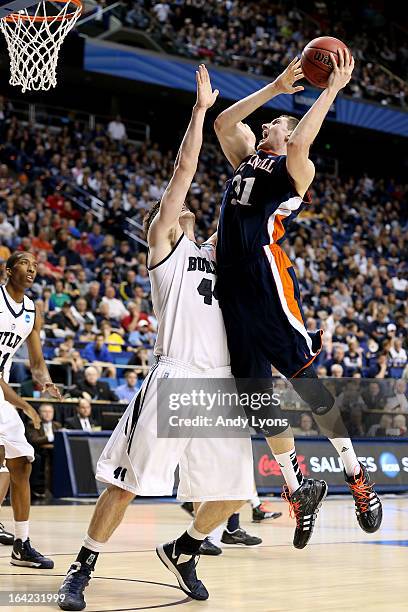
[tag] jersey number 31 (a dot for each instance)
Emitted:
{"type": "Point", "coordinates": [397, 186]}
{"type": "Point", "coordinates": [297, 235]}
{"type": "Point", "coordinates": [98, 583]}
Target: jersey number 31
{"type": "Point", "coordinates": [243, 191]}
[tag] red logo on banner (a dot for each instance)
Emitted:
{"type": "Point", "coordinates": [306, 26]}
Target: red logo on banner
{"type": "Point", "coordinates": [269, 467]}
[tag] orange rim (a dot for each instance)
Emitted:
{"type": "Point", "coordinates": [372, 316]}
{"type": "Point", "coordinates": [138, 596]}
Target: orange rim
{"type": "Point", "coordinates": [14, 17]}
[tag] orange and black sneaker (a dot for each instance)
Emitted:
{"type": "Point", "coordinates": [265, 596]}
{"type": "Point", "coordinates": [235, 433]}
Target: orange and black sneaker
{"type": "Point", "coordinates": [304, 505]}
{"type": "Point", "coordinates": [367, 503]}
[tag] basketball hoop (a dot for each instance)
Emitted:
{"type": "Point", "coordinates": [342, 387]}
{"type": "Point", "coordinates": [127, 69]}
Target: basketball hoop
{"type": "Point", "coordinates": [34, 39]}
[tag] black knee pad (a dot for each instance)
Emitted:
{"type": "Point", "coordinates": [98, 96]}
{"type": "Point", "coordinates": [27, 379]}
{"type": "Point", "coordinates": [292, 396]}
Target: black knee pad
{"type": "Point", "coordinates": [312, 391]}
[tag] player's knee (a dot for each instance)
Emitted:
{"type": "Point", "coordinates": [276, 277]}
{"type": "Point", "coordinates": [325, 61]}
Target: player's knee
{"type": "Point", "coordinates": [20, 470]}
{"type": "Point", "coordinates": [312, 391]}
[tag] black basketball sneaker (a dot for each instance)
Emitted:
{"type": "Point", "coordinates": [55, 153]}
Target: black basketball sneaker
{"type": "Point", "coordinates": [183, 566]}
{"type": "Point", "coordinates": [261, 513]}
{"type": "Point", "coordinates": [240, 536]}
{"type": "Point", "coordinates": [24, 555]}
{"type": "Point", "coordinates": [6, 538]}
{"type": "Point", "coordinates": [367, 503]}
{"type": "Point", "coordinates": [71, 592]}
{"type": "Point", "coordinates": [304, 505]}
{"type": "Point", "coordinates": [209, 548]}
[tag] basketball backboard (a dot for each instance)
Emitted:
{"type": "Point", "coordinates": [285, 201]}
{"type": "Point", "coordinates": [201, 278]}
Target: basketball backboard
{"type": "Point", "coordinates": [7, 6]}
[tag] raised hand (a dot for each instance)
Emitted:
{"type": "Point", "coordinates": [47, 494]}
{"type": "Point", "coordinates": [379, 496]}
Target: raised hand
{"type": "Point", "coordinates": [52, 389]}
{"type": "Point", "coordinates": [285, 82]}
{"type": "Point", "coordinates": [342, 71]}
{"type": "Point", "coordinates": [205, 95]}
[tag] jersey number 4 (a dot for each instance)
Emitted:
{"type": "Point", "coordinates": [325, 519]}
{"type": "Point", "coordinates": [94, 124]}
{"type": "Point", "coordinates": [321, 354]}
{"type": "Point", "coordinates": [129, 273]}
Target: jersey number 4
{"type": "Point", "coordinates": [205, 288]}
{"type": "Point", "coordinates": [243, 191]}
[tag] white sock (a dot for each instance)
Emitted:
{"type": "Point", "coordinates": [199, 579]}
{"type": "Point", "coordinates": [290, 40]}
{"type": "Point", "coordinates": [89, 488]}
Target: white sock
{"type": "Point", "coordinates": [21, 530]}
{"type": "Point", "coordinates": [197, 535]}
{"type": "Point", "coordinates": [290, 469]}
{"type": "Point", "coordinates": [93, 544]}
{"type": "Point", "coordinates": [255, 501]}
{"type": "Point", "coordinates": [344, 447]}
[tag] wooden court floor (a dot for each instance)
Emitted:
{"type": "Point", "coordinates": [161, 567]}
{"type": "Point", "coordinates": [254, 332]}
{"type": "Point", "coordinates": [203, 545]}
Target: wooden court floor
{"type": "Point", "coordinates": [342, 569]}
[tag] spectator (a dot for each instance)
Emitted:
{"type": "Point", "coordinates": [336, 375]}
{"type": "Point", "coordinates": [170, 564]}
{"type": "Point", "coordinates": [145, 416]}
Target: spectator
{"type": "Point", "coordinates": [97, 351]}
{"type": "Point", "coordinates": [373, 397]}
{"type": "Point", "coordinates": [337, 370]}
{"type": "Point", "coordinates": [353, 360]}
{"type": "Point", "coordinates": [93, 297]}
{"type": "Point", "coordinates": [83, 418]}
{"type": "Point", "coordinates": [63, 323]}
{"type": "Point", "coordinates": [116, 129]}
{"type": "Point", "coordinates": [380, 429]}
{"type": "Point", "coordinates": [84, 249]}
{"type": "Point", "coordinates": [306, 426]}
{"type": "Point", "coordinates": [88, 333]}
{"type": "Point", "coordinates": [130, 321]}
{"type": "Point", "coordinates": [59, 297]}
{"type": "Point", "coordinates": [127, 391]}
{"type": "Point", "coordinates": [96, 238]}
{"type": "Point", "coordinates": [399, 423]}
{"type": "Point", "coordinates": [117, 309]}
{"type": "Point", "coordinates": [42, 440]}
{"type": "Point", "coordinates": [113, 339]}
{"type": "Point", "coordinates": [94, 389]}
{"type": "Point", "coordinates": [161, 10]}
{"type": "Point", "coordinates": [142, 336]}
{"type": "Point", "coordinates": [7, 231]}
{"type": "Point", "coordinates": [397, 358]}
{"type": "Point", "coordinates": [338, 358]}
{"type": "Point", "coordinates": [82, 313]}
{"type": "Point", "coordinates": [398, 402]}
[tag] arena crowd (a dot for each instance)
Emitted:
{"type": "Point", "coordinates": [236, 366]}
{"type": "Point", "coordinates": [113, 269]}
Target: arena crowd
{"type": "Point", "coordinates": [93, 288]}
{"type": "Point", "coordinates": [263, 37]}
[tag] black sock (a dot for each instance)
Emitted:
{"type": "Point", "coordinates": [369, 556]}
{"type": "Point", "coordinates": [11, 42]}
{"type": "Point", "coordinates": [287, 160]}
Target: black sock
{"type": "Point", "coordinates": [233, 522]}
{"type": "Point", "coordinates": [87, 557]}
{"type": "Point", "coordinates": [187, 545]}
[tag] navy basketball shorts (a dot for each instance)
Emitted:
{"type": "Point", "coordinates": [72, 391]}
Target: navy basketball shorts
{"type": "Point", "coordinates": [263, 317]}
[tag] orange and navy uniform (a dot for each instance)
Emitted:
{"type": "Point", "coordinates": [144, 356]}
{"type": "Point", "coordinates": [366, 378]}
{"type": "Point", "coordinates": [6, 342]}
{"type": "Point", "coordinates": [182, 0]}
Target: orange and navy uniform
{"type": "Point", "coordinates": [257, 286]}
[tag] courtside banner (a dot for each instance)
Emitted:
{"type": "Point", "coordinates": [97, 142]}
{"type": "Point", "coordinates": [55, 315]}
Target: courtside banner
{"type": "Point", "coordinates": [77, 453]}
{"type": "Point", "coordinates": [386, 461]}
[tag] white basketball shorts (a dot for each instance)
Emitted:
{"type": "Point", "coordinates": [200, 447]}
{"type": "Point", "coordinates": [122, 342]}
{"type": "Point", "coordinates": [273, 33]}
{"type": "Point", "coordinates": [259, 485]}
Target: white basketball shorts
{"type": "Point", "coordinates": [209, 468]}
{"type": "Point", "coordinates": [12, 433]}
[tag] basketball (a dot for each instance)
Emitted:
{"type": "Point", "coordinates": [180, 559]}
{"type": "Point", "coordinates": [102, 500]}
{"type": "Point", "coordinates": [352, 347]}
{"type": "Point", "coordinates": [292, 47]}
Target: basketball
{"type": "Point", "coordinates": [316, 62]}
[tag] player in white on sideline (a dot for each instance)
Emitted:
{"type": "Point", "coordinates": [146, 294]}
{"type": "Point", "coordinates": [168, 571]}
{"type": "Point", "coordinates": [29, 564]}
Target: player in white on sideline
{"type": "Point", "coordinates": [191, 343]}
{"type": "Point", "coordinates": [20, 322]}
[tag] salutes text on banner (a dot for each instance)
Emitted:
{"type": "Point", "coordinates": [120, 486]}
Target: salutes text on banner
{"type": "Point", "coordinates": [386, 461]}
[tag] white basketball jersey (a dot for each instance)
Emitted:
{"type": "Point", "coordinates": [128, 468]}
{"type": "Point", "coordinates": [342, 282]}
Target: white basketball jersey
{"type": "Point", "coordinates": [16, 323]}
{"type": "Point", "coordinates": [190, 324]}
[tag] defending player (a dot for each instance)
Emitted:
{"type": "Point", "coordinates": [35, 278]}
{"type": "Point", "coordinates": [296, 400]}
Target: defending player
{"type": "Point", "coordinates": [191, 343]}
{"type": "Point", "coordinates": [257, 286]}
{"type": "Point", "coordinates": [20, 322]}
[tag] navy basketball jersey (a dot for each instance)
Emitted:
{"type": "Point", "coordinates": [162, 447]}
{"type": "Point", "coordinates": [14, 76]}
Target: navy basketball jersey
{"type": "Point", "coordinates": [258, 204]}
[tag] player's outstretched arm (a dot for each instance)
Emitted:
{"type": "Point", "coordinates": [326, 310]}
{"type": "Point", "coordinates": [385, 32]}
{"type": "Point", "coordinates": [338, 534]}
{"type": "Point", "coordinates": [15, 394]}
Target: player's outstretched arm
{"type": "Point", "coordinates": [299, 166]}
{"type": "Point", "coordinates": [38, 366]}
{"type": "Point", "coordinates": [236, 139]}
{"type": "Point", "coordinates": [186, 161]}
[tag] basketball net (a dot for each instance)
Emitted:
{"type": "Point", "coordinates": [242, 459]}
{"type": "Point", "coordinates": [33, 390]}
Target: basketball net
{"type": "Point", "coordinates": [34, 41]}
